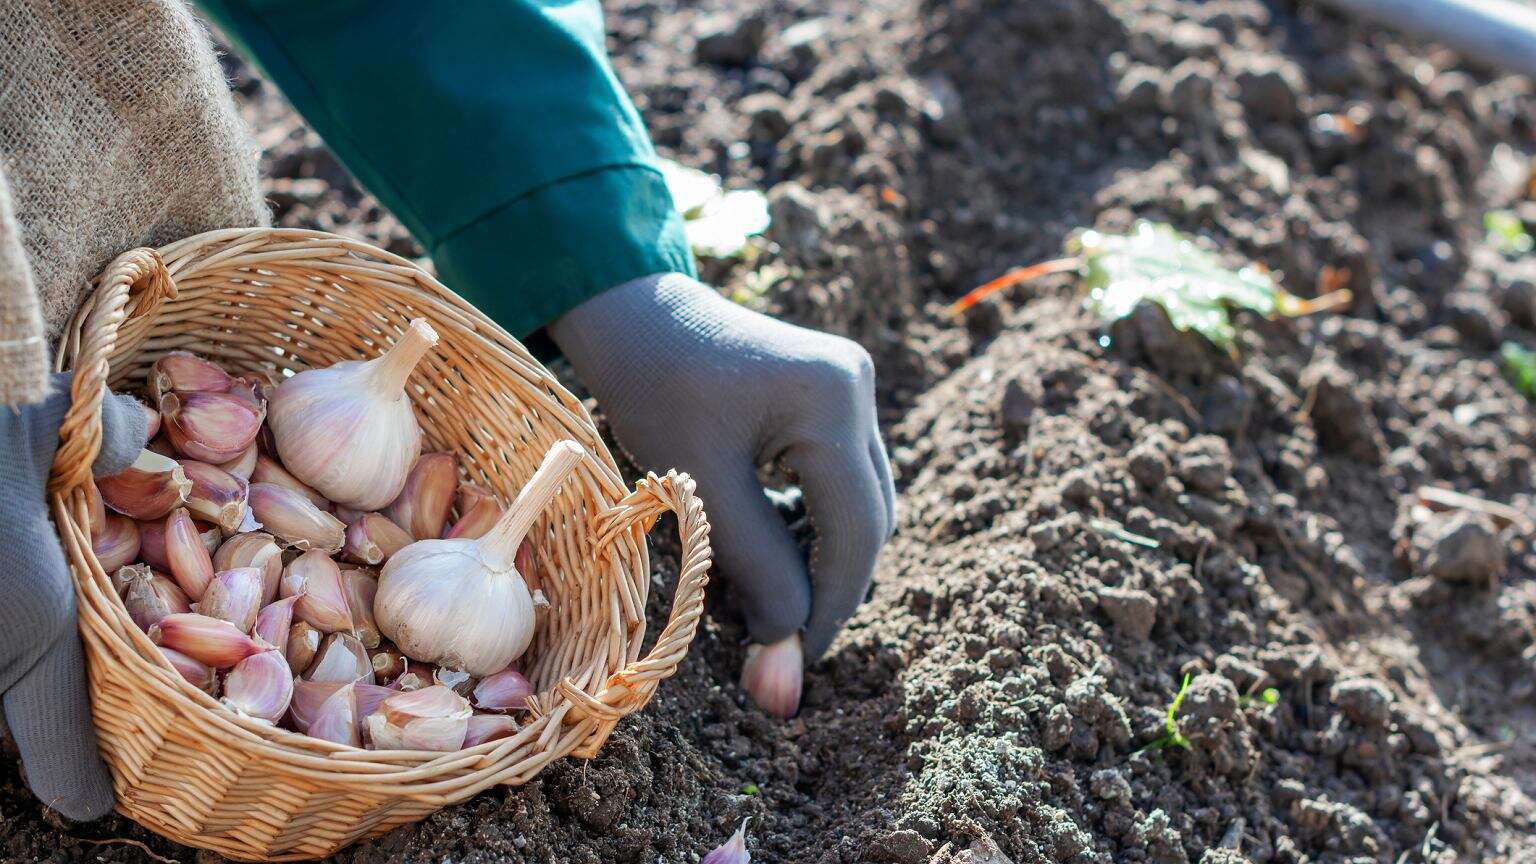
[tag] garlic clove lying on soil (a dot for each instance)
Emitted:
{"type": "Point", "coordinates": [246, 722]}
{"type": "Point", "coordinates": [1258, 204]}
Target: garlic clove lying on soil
{"type": "Point", "coordinates": [360, 587]}
{"type": "Point", "coordinates": [507, 690]}
{"type": "Point", "coordinates": [253, 549]}
{"type": "Point", "coordinates": [273, 623]}
{"type": "Point", "coordinates": [148, 596]}
{"type": "Point", "coordinates": [372, 538]}
{"type": "Point", "coordinates": [733, 851]}
{"type": "Point", "coordinates": [340, 658]}
{"type": "Point", "coordinates": [478, 512]}
{"type": "Point", "coordinates": [116, 543]}
{"type": "Point", "coordinates": [209, 427]}
{"type": "Point", "coordinates": [324, 600]}
{"type": "Point", "coordinates": [303, 645]}
{"type": "Point", "coordinates": [233, 596]}
{"type": "Point", "coordinates": [422, 507]}
{"type": "Point", "coordinates": [488, 727]}
{"type": "Point", "coordinates": [199, 675]}
{"type": "Point", "coordinates": [259, 686]}
{"type": "Point", "coordinates": [147, 489]}
{"type": "Point", "coordinates": [432, 718]}
{"type": "Point", "coordinates": [295, 520]}
{"type": "Point", "coordinates": [348, 430]}
{"type": "Point", "coordinates": [772, 676]}
{"type": "Point", "coordinates": [462, 603]}
{"type": "Point", "coordinates": [188, 373]}
{"type": "Point", "coordinates": [186, 556]}
{"type": "Point", "coordinates": [216, 494]}
{"type": "Point", "coordinates": [206, 640]}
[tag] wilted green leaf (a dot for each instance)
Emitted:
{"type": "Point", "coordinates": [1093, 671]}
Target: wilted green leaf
{"type": "Point", "coordinates": [1157, 263]}
{"type": "Point", "coordinates": [718, 223]}
{"type": "Point", "coordinates": [1507, 233]}
{"type": "Point", "coordinates": [1520, 366]}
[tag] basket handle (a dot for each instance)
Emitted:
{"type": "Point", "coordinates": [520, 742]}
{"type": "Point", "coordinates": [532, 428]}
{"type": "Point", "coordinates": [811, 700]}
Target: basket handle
{"type": "Point", "coordinates": [133, 285]}
{"type": "Point", "coordinates": [629, 689]}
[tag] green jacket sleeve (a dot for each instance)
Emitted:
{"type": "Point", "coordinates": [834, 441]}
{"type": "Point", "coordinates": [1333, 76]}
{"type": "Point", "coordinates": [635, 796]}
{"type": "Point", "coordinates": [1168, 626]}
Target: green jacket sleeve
{"type": "Point", "coordinates": [495, 130]}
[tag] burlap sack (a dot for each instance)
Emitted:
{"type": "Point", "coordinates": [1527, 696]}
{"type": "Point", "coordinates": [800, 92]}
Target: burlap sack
{"type": "Point", "coordinates": [116, 130]}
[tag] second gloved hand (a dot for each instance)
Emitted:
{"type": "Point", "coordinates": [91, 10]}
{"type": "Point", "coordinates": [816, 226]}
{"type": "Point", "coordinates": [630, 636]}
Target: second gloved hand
{"type": "Point", "coordinates": [691, 380]}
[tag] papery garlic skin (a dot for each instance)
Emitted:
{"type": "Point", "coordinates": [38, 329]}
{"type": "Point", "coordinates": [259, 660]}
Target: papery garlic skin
{"type": "Point", "coordinates": [349, 430]}
{"type": "Point", "coordinates": [148, 596]}
{"type": "Point", "coordinates": [461, 603]}
{"type": "Point", "coordinates": [433, 718]}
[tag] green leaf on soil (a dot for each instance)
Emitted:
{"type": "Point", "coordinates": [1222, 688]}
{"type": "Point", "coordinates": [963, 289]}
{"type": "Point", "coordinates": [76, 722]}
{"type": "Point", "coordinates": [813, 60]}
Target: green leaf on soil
{"type": "Point", "coordinates": [1507, 233]}
{"type": "Point", "coordinates": [1520, 366]}
{"type": "Point", "coordinates": [749, 789]}
{"type": "Point", "coordinates": [718, 223]}
{"type": "Point", "coordinates": [1171, 736]}
{"type": "Point", "coordinates": [1159, 264]}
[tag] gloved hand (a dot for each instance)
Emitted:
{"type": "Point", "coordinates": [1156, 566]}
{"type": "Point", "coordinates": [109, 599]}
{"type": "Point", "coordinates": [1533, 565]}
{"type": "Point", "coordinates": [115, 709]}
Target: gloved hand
{"type": "Point", "coordinates": [691, 380]}
{"type": "Point", "coordinates": [42, 670]}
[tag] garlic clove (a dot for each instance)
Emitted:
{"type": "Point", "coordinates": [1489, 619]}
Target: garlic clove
{"type": "Point", "coordinates": [259, 686]}
{"type": "Point", "coordinates": [233, 596]}
{"type": "Point", "coordinates": [216, 495]}
{"type": "Point", "coordinates": [360, 588]}
{"type": "Point", "coordinates": [372, 538]}
{"type": "Point", "coordinates": [185, 555]}
{"type": "Point", "coordinates": [388, 664]}
{"type": "Point", "coordinates": [116, 543]}
{"type": "Point", "coordinates": [303, 645]}
{"type": "Point", "coordinates": [273, 623]}
{"type": "Point", "coordinates": [152, 545]}
{"type": "Point", "coordinates": [528, 568]}
{"type": "Point", "coordinates": [208, 640]}
{"type": "Point", "coordinates": [253, 549]}
{"type": "Point", "coordinates": [349, 429]}
{"type": "Point", "coordinates": [209, 427]}
{"type": "Point", "coordinates": [368, 698]}
{"type": "Point", "coordinates": [733, 851]}
{"type": "Point", "coordinates": [507, 690]}
{"type": "Point", "coordinates": [186, 372]}
{"type": "Point", "coordinates": [478, 512]}
{"type": "Point", "coordinates": [482, 728]}
{"type": "Point", "coordinates": [461, 603]}
{"type": "Point", "coordinates": [249, 391]}
{"type": "Point", "coordinates": [432, 718]}
{"type": "Point", "coordinates": [199, 675]}
{"type": "Point", "coordinates": [336, 719]}
{"type": "Point", "coordinates": [457, 680]}
{"type": "Point", "coordinates": [148, 596]}
{"type": "Point", "coordinates": [147, 489]}
{"type": "Point", "coordinates": [308, 696]}
{"type": "Point", "coordinates": [324, 601]}
{"type": "Point", "coordinates": [772, 676]}
{"type": "Point", "coordinates": [415, 677]}
{"type": "Point", "coordinates": [267, 470]}
{"type": "Point", "coordinates": [151, 422]}
{"type": "Point", "coordinates": [424, 502]}
{"type": "Point", "coordinates": [244, 465]}
{"type": "Point", "coordinates": [341, 658]}
{"type": "Point", "coordinates": [293, 519]}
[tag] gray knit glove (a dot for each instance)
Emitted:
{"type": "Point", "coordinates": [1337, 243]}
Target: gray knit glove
{"type": "Point", "coordinates": [42, 671]}
{"type": "Point", "coordinates": [691, 380]}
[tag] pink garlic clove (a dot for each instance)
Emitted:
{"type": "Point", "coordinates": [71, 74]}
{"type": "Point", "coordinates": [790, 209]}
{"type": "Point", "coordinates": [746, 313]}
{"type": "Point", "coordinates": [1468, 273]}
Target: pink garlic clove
{"type": "Point", "coordinates": [259, 686]}
{"type": "Point", "coordinates": [506, 690]}
{"type": "Point", "coordinates": [206, 640]}
{"type": "Point", "coordinates": [772, 676]}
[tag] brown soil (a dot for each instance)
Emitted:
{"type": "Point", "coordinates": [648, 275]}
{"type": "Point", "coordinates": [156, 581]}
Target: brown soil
{"type": "Point", "coordinates": [999, 696]}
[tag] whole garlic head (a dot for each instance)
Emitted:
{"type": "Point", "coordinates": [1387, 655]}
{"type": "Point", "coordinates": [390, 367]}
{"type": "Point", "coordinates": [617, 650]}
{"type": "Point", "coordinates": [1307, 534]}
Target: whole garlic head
{"type": "Point", "coordinates": [462, 603]}
{"type": "Point", "coordinates": [348, 430]}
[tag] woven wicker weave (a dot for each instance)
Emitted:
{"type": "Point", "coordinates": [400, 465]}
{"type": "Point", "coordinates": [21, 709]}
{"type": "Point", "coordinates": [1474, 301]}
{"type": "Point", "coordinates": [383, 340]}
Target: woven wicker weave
{"type": "Point", "coordinates": [265, 300]}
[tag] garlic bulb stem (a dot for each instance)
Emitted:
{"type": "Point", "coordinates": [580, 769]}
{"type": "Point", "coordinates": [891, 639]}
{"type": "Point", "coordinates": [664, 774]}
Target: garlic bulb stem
{"type": "Point", "coordinates": [499, 545]}
{"type": "Point", "coordinates": [389, 371]}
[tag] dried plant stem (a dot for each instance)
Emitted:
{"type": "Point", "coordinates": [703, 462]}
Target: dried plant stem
{"type": "Point", "coordinates": [1011, 278]}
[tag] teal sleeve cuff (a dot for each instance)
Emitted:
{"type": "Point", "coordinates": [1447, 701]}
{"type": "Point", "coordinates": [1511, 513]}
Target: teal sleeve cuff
{"type": "Point", "coordinates": [544, 253]}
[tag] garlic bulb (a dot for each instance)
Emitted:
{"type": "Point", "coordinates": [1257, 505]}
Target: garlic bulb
{"type": "Point", "coordinates": [348, 430]}
{"type": "Point", "coordinates": [462, 603]}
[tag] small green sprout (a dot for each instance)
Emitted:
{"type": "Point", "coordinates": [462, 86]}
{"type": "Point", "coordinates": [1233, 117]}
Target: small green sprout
{"type": "Point", "coordinates": [1171, 736]}
{"type": "Point", "coordinates": [1268, 696]}
{"type": "Point", "coordinates": [1506, 233]}
{"type": "Point", "coordinates": [749, 789]}
{"type": "Point", "coordinates": [1520, 366]}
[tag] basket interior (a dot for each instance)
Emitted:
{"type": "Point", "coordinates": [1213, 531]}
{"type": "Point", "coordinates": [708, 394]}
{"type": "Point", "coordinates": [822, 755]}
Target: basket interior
{"type": "Point", "coordinates": [274, 308]}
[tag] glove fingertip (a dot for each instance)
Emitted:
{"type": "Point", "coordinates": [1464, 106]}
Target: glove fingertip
{"type": "Point", "coordinates": [124, 430]}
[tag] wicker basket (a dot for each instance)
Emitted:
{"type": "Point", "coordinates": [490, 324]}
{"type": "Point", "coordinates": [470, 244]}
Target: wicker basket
{"type": "Point", "coordinates": [265, 300]}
